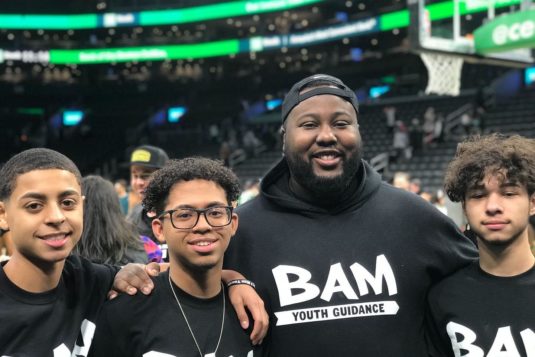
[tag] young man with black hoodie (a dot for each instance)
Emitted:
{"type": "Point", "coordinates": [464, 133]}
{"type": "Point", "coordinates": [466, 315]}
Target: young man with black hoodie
{"type": "Point", "coordinates": [486, 309]}
{"type": "Point", "coordinates": [342, 260]}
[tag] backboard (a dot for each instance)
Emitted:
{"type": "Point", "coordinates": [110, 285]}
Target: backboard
{"type": "Point", "coordinates": [447, 26]}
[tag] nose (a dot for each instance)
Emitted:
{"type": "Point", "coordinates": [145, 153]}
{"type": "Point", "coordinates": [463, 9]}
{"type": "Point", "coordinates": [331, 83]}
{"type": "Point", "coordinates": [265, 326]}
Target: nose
{"type": "Point", "coordinates": [138, 181]}
{"type": "Point", "coordinates": [202, 223]}
{"type": "Point", "coordinates": [326, 136]}
{"type": "Point", "coordinates": [493, 204]}
{"type": "Point", "coordinates": [55, 215]}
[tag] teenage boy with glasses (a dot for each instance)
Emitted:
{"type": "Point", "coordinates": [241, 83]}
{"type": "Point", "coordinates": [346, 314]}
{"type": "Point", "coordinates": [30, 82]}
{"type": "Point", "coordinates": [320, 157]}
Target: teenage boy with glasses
{"type": "Point", "coordinates": [188, 313]}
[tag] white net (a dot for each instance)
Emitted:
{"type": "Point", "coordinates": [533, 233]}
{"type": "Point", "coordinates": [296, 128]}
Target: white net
{"type": "Point", "coordinates": [444, 72]}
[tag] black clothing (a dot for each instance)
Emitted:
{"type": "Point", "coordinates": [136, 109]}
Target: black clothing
{"type": "Point", "coordinates": [138, 217]}
{"type": "Point", "coordinates": [345, 280]}
{"type": "Point", "coordinates": [134, 326]}
{"type": "Point", "coordinates": [483, 313]}
{"type": "Point", "coordinates": [56, 322]}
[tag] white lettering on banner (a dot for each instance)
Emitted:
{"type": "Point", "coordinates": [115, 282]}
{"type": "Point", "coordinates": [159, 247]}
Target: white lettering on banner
{"type": "Point", "coordinates": [463, 339]}
{"type": "Point", "coordinates": [514, 32]}
{"type": "Point", "coordinates": [337, 281]}
{"type": "Point", "coordinates": [336, 312]}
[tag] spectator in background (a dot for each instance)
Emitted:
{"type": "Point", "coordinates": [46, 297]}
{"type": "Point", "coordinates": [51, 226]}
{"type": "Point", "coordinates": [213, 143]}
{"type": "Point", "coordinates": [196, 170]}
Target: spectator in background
{"type": "Point", "coordinates": [6, 245]}
{"type": "Point", "coordinates": [144, 161]}
{"type": "Point", "coordinates": [438, 133]}
{"type": "Point", "coordinates": [250, 191]}
{"type": "Point", "coordinates": [466, 123]}
{"type": "Point", "coordinates": [213, 132]}
{"type": "Point", "coordinates": [415, 186]}
{"type": "Point", "coordinates": [400, 142]}
{"type": "Point", "coordinates": [107, 237]}
{"type": "Point", "coordinates": [224, 153]}
{"type": "Point", "coordinates": [402, 180]}
{"type": "Point", "coordinates": [250, 142]}
{"type": "Point", "coordinates": [429, 125]}
{"type": "Point", "coordinates": [390, 115]}
{"type": "Point", "coordinates": [439, 201]}
{"type": "Point", "coordinates": [416, 136]}
{"type": "Point", "coordinates": [122, 192]}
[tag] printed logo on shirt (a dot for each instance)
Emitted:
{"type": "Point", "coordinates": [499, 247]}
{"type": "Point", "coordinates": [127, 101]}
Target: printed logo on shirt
{"type": "Point", "coordinates": [160, 354]}
{"type": "Point", "coordinates": [463, 340]}
{"type": "Point", "coordinates": [81, 348]}
{"type": "Point", "coordinates": [294, 286]}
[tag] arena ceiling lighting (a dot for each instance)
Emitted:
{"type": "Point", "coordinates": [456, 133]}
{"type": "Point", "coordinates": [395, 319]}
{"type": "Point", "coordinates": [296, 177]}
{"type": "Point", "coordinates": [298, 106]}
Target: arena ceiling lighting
{"type": "Point", "coordinates": [397, 19]}
{"type": "Point", "coordinates": [147, 18]}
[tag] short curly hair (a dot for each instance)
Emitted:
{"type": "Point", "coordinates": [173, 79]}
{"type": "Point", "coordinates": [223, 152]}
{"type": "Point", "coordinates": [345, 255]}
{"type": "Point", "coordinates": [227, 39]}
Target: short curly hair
{"type": "Point", "coordinates": [511, 157]}
{"type": "Point", "coordinates": [30, 160]}
{"type": "Point", "coordinates": [191, 168]}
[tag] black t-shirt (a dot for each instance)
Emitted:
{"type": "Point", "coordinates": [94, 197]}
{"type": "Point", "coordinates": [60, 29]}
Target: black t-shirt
{"type": "Point", "coordinates": [57, 322]}
{"type": "Point", "coordinates": [478, 314]}
{"type": "Point", "coordinates": [135, 326]}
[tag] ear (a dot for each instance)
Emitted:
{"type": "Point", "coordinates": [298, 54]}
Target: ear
{"type": "Point", "coordinates": [234, 223]}
{"type": "Point", "coordinates": [532, 204]}
{"type": "Point", "coordinates": [3, 216]}
{"type": "Point", "coordinates": [157, 229]}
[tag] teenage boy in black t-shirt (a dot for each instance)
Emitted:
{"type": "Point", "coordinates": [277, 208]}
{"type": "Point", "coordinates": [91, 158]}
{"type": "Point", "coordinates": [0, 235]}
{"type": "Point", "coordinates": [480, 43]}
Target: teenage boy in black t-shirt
{"type": "Point", "coordinates": [188, 313]}
{"type": "Point", "coordinates": [49, 300]}
{"type": "Point", "coordinates": [486, 309]}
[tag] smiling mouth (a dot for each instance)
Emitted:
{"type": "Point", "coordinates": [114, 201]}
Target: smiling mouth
{"type": "Point", "coordinates": [202, 244]}
{"type": "Point", "coordinates": [56, 240]}
{"type": "Point", "coordinates": [327, 159]}
{"type": "Point", "coordinates": [327, 155]}
{"type": "Point", "coordinates": [54, 237]}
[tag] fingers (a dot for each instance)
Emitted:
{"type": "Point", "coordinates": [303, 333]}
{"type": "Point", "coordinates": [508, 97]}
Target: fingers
{"type": "Point", "coordinates": [112, 294]}
{"type": "Point", "coordinates": [132, 278]}
{"type": "Point", "coordinates": [153, 269]}
{"type": "Point", "coordinates": [242, 315]}
{"type": "Point", "coordinates": [245, 297]}
{"type": "Point", "coordinates": [261, 322]}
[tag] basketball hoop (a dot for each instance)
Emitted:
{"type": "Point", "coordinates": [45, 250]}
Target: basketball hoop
{"type": "Point", "coordinates": [444, 72]}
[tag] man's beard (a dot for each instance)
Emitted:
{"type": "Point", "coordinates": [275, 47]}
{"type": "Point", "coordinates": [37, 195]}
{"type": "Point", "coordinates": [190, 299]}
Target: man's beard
{"type": "Point", "coordinates": [324, 187]}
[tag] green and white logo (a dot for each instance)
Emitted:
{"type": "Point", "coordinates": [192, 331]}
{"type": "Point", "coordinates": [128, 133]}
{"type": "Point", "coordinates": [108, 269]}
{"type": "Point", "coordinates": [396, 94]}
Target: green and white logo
{"type": "Point", "coordinates": [506, 33]}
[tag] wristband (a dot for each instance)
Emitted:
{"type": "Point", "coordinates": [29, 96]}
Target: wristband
{"type": "Point", "coordinates": [240, 282]}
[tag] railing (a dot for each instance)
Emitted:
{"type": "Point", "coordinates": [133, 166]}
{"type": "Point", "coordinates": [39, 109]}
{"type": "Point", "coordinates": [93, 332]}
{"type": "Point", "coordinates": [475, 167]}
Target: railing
{"type": "Point", "coordinates": [453, 119]}
{"type": "Point", "coordinates": [380, 162]}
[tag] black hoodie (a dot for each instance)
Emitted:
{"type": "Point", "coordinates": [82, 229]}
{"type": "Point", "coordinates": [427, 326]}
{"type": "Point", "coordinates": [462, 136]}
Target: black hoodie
{"type": "Point", "coordinates": [350, 279]}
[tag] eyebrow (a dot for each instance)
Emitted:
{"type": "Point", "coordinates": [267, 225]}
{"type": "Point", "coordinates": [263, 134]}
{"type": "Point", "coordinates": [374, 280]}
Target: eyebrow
{"type": "Point", "coordinates": [40, 196]}
{"type": "Point", "coordinates": [209, 205]}
{"type": "Point", "coordinates": [481, 186]}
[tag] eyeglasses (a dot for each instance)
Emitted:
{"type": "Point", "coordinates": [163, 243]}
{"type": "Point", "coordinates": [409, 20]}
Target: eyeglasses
{"type": "Point", "coordinates": [187, 218]}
